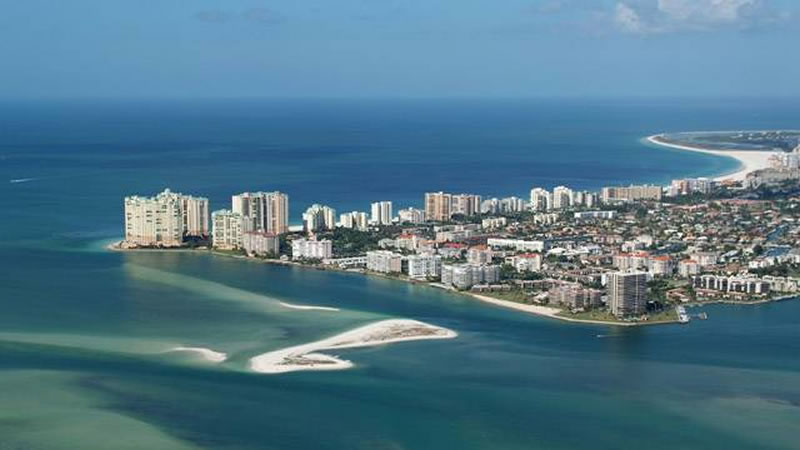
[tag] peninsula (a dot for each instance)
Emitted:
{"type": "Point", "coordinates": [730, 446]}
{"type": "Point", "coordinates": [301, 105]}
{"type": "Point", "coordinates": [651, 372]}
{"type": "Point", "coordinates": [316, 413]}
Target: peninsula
{"type": "Point", "coordinates": [625, 255]}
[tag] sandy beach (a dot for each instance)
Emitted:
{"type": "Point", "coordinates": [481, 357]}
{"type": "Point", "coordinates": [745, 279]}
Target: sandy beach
{"type": "Point", "coordinates": [554, 313]}
{"type": "Point", "coordinates": [305, 356]}
{"type": "Point", "coordinates": [749, 160]}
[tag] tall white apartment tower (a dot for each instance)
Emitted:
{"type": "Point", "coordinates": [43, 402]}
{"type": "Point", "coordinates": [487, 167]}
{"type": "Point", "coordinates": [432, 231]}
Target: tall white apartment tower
{"type": "Point", "coordinates": [562, 197]}
{"type": "Point", "coordinates": [165, 220]}
{"type": "Point", "coordinates": [541, 200]}
{"type": "Point", "coordinates": [381, 213]}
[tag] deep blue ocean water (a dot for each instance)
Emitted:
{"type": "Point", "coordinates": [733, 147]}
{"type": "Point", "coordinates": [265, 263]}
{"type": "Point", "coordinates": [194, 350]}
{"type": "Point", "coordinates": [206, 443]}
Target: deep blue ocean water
{"type": "Point", "coordinates": [83, 330]}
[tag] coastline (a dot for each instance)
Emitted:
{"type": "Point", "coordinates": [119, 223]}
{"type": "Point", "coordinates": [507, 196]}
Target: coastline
{"type": "Point", "coordinates": [749, 161]}
{"type": "Point", "coordinates": [538, 310]}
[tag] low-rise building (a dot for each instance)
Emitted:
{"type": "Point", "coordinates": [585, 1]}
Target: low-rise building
{"type": "Point", "coordinates": [526, 262]}
{"type": "Point", "coordinates": [423, 267]}
{"type": "Point", "coordinates": [384, 261]}
{"type": "Point", "coordinates": [311, 249]}
{"type": "Point", "coordinates": [261, 244]}
{"type": "Point", "coordinates": [575, 296]}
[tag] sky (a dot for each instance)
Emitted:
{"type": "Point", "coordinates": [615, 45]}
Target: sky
{"type": "Point", "coordinates": [398, 48]}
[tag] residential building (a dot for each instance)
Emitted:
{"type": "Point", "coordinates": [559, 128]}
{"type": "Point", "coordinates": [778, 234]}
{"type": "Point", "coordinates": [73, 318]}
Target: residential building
{"type": "Point", "coordinates": [575, 296]}
{"type": "Point", "coordinates": [411, 215]}
{"type": "Point", "coordinates": [227, 230]}
{"type": "Point", "coordinates": [356, 220]}
{"type": "Point", "coordinates": [263, 211]}
{"type": "Point", "coordinates": [479, 254]}
{"type": "Point", "coordinates": [688, 267]}
{"type": "Point", "coordinates": [465, 204]}
{"type": "Point", "coordinates": [318, 218]}
{"type": "Point", "coordinates": [464, 276]}
{"type": "Point", "coordinates": [562, 197]}
{"type": "Point", "coordinates": [381, 213]}
{"type": "Point", "coordinates": [422, 267]}
{"type": "Point", "coordinates": [541, 200]}
{"type": "Point", "coordinates": [311, 249]}
{"type": "Point", "coordinates": [631, 193]}
{"type": "Point", "coordinates": [526, 262]}
{"type": "Point", "coordinates": [258, 243]}
{"type": "Point", "coordinates": [384, 261]}
{"type": "Point", "coordinates": [438, 206]}
{"type": "Point", "coordinates": [165, 220]}
{"type": "Point", "coordinates": [627, 293]}
{"type": "Point", "coordinates": [661, 265]}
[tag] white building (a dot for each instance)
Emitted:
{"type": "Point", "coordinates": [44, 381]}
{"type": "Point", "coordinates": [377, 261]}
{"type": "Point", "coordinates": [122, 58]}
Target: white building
{"type": "Point", "coordinates": [318, 218]}
{"type": "Point", "coordinates": [384, 261]}
{"type": "Point", "coordinates": [228, 230]}
{"type": "Point", "coordinates": [356, 220]}
{"type": "Point", "coordinates": [688, 267]}
{"type": "Point", "coordinates": [263, 211]}
{"type": "Point", "coordinates": [312, 249]}
{"type": "Point", "coordinates": [465, 204]}
{"type": "Point", "coordinates": [411, 215]}
{"type": "Point", "coordinates": [381, 213]}
{"type": "Point", "coordinates": [494, 223]}
{"type": "Point", "coordinates": [541, 200]}
{"type": "Point", "coordinates": [526, 262]}
{"type": "Point", "coordinates": [600, 215]}
{"type": "Point", "coordinates": [562, 197]}
{"type": "Point", "coordinates": [464, 276]}
{"type": "Point", "coordinates": [422, 267]}
{"type": "Point", "coordinates": [261, 244]}
{"type": "Point", "coordinates": [165, 220]}
{"type": "Point", "coordinates": [517, 244]}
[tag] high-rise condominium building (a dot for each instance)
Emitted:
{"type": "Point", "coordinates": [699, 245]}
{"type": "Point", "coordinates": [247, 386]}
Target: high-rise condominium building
{"type": "Point", "coordinates": [228, 230]}
{"type": "Point", "coordinates": [562, 197]}
{"type": "Point", "coordinates": [465, 204]}
{"type": "Point", "coordinates": [438, 206]}
{"type": "Point", "coordinates": [381, 213]}
{"type": "Point", "coordinates": [627, 293]}
{"type": "Point", "coordinates": [411, 215]}
{"type": "Point", "coordinates": [263, 211]}
{"type": "Point", "coordinates": [165, 220]}
{"type": "Point", "coordinates": [319, 217]}
{"type": "Point", "coordinates": [355, 219]}
{"type": "Point", "coordinates": [541, 200]}
{"type": "Point", "coordinates": [631, 193]}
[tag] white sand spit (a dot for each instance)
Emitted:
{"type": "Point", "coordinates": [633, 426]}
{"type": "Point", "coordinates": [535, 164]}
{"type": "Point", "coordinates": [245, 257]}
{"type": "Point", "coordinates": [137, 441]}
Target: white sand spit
{"type": "Point", "coordinates": [308, 307]}
{"type": "Point", "coordinates": [305, 357]}
{"type": "Point", "coordinates": [750, 160]}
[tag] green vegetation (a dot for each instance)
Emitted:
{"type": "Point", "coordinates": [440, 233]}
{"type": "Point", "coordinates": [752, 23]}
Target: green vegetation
{"type": "Point", "coordinates": [514, 295]}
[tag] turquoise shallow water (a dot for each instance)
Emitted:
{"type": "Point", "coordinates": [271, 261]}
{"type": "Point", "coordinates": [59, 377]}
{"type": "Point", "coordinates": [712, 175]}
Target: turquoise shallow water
{"type": "Point", "coordinates": [83, 331]}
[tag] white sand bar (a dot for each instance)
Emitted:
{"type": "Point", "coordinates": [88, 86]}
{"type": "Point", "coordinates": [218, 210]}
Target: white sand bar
{"type": "Point", "coordinates": [750, 160]}
{"type": "Point", "coordinates": [308, 307]}
{"type": "Point", "coordinates": [206, 353]}
{"type": "Point", "coordinates": [305, 357]}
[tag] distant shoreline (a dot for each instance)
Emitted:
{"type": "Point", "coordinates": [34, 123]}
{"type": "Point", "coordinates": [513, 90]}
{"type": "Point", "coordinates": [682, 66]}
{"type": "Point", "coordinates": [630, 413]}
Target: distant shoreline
{"type": "Point", "coordinates": [749, 160]}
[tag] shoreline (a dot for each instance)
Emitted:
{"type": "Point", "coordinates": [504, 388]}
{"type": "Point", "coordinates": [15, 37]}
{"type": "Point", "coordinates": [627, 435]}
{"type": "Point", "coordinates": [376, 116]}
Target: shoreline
{"type": "Point", "coordinates": [307, 357]}
{"type": "Point", "coordinates": [537, 310]}
{"type": "Point", "coordinates": [749, 160]}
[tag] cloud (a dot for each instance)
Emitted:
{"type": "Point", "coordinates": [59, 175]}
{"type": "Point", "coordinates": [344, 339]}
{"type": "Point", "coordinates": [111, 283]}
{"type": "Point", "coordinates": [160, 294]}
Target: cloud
{"type": "Point", "coordinates": [664, 16]}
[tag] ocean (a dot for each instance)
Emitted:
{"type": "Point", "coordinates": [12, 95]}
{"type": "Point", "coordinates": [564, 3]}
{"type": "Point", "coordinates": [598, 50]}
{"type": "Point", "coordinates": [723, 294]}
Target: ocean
{"type": "Point", "coordinates": [85, 332]}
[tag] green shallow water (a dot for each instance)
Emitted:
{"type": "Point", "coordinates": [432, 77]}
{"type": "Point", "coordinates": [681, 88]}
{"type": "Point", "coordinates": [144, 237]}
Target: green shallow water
{"type": "Point", "coordinates": [82, 365]}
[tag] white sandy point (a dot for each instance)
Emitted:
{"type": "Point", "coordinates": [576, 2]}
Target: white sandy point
{"type": "Point", "coordinates": [750, 160]}
{"type": "Point", "coordinates": [308, 307]}
{"type": "Point", "coordinates": [305, 357]}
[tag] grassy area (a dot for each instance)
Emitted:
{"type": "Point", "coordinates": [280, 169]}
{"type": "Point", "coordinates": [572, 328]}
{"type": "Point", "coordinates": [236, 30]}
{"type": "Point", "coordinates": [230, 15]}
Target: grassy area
{"type": "Point", "coordinates": [667, 315]}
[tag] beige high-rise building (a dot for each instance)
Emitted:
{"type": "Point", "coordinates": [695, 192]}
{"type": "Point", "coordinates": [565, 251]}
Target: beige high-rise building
{"type": "Point", "coordinates": [164, 220]}
{"type": "Point", "coordinates": [627, 293]}
{"type": "Point", "coordinates": [438, 206]}
{"type": "Point", "coordinates": [228, 229]}
{"type": "Point", "coordinates": [263, 211]}
{"type": "Point", "coordinates": [465, 204]}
